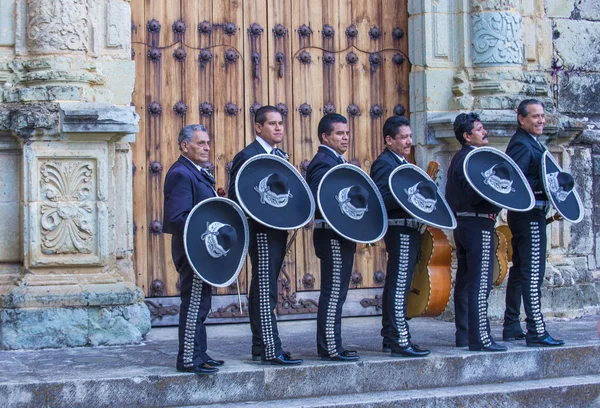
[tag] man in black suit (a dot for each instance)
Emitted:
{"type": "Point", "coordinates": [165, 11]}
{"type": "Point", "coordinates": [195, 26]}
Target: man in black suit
{"type": "Point", "coordinates": [335, 252]}
{"type": "Point", "coordinates": [402, 241]}
{"type": "Point", "coordinates": [187, 183]}
{"type": "Point", "coordinates": [266, 247]}
{"type": "Point", "coordinates": [473, 237]}
{"type": "Point", "coordinates": [529, 234]}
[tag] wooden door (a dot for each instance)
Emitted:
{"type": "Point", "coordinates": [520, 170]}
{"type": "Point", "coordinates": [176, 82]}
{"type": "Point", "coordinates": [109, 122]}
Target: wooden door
{"type": "Point", "coordinates": [215, 62]}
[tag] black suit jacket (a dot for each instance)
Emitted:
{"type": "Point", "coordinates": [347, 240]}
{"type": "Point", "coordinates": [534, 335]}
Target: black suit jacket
{"type": "Point", "coordinates": [323, 161]}
{"type": "Point", "coordinates": [381, 169]}
{"type": "Point", "coordinates": [184, 187]}
{"type": "Point", "coordinates": [460, 195]}
{"type": "Point", "coordinates": [527, 153]}
{"type": "Point", "coordinates": [253, 149]}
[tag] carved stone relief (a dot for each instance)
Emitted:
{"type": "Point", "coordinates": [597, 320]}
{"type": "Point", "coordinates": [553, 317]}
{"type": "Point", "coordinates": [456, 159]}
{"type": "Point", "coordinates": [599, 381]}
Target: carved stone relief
{"type": "Point", "coordinates": [497, 38]}
{"type": "Point", "coordinates": [482, 5]}
{"type": "Point", "coordinates": [67, 207]}
{"type": "Point", "coordinates": [58, 25]}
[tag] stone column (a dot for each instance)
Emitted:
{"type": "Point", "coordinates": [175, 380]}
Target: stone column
{"type": "Point", "coordinates": [66, 230]}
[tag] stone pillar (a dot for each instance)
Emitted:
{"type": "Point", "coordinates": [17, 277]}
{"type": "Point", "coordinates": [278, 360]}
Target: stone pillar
{"type": "Point", "coordinates": [66, 230]}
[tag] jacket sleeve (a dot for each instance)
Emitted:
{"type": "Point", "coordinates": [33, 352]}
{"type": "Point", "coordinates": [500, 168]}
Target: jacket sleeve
{"type": "Point", "coordinates": [380, 173]}
{"type": "Point", "coordinates": [179, 201]}
{"type": "Point", "coordinates": [469, 193]}
{"type": "Point", "coordinates": [523, 156]}
{"type": "Point", "coordinates": [315, 176]}
{"type": "Point", "coordinates": [237, 163]}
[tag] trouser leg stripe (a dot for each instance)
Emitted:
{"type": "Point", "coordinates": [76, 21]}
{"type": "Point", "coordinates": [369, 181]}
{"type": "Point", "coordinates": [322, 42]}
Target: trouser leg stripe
{"type": "Point", "coordinates": [190, 322]}
{"type": "Point", "coordinates": [264, 295]}
{"type": "Point", "coordinates": [333, 300]}
{"type": "Point", "coordinates": [535, 279]}
{"type": "Point", "coordinates": [399, 298]}
{"type": "Point", "coordinates": [484, 336]}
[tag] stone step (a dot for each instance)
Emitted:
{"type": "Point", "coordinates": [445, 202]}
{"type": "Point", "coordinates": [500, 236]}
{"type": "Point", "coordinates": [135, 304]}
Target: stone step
{"type": "Point", "coordinates": [566, 392]}
{"type": "Point", "coordinates": [241, 381]}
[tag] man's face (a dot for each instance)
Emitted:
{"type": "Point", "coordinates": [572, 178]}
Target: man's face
{"type": "Point", "coordinates": [534, 121]}
{"type": "Point", "coordinates": [402, 141]}
{"type": "Point", "coordinates": [198, 148]}
{"type": "Point", "coordinates": [338, 138]}
{"type": "Point", "coordinates": [478, 136]}
{"type": "Point", "coordinates": [272, 130]}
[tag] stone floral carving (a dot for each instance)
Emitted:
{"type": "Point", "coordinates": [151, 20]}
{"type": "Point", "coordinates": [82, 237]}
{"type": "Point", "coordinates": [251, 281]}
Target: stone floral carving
{"type": "Point", "coordinates": [66, 207]}
{"type": "Point", "coordinates": [482, 5]}
{"type": "Point", "coordinates": [58, 25]}
{"type": "Point", "coordinates": [497, 39]}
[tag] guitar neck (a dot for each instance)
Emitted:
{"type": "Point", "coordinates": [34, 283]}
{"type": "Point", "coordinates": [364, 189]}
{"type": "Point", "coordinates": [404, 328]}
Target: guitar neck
{"type": "Point", "coordinates": [433, 169]}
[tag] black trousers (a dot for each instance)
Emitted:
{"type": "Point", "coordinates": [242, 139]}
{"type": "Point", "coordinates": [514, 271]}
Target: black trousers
{"type": "Point", "coordinates": [337, 257]}
{"type": "Point", "coordinates": [527, 272]}
{"type": "Point", "coordinates": [402, 245]}
{"type": "Point", "coordinates": [474, 252]}
{"type": "Point", "coordinates": [267, 250]}
{"type": "Point", "coordinates": [195, 305]}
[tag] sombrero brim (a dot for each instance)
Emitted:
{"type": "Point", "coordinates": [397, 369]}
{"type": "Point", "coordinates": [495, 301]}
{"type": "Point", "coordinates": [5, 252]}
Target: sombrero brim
{"type": "Point", "coordinates": [571, 209]}
{"type": "Point", "coordinates": [222, 271]}
{"type": "Point", "coordinates": [373, 224]}
{"type": "Point", "coordinates": [407, 175]}
{"type": "Point", "coordinates": [299, 209]}
{"type": "Point", "coordinates": [479, 160]}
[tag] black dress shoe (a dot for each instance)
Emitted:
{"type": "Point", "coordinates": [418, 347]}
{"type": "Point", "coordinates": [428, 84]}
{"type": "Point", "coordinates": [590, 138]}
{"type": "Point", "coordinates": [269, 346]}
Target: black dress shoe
{"type": "Point", "coordinates": [508, 336]}
{"type": "Point", "coordinates": [386, 347]}
{"type": "Point", "coordinates": [256, 357]}
{"type": "Point", "coordinates": [215, 363]}
{"type": "Point", "coordinates": [492, 347]}
{"type": "Point", "coordinates": [343, 356]}
{"type": "Point", "coordinates": [203, 368]}
{"type": "Point", "coordinates": [462, 343]}
{"type": "Point", "coordinates": [282, 360]}
{"type": "Point", "coordinates": [409, 351]}
{"type": "Point", "coordinates": [547, 341]}
{"type": "Point", "coordinates": [349, 352]}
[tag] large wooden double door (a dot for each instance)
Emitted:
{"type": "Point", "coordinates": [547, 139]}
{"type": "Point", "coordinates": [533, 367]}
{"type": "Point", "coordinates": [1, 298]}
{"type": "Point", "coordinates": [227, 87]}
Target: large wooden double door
{"type": "Point", "coordinates": [214, 62]}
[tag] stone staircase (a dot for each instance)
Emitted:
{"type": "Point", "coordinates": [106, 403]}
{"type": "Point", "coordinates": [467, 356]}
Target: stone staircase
{"type": "Point", "coordinates": [143, 376]}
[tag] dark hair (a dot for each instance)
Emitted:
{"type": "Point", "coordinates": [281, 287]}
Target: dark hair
{"type": "Point", "coordinates": [465, 122]}
{"type": "Point", "coordinates": [522, 110]}
{"type": "Point", "coordinates": [326, 124]}
{"type": "Point", "coordinates": [187, 133]}
{"type": "Point", "coordinates": [391, 127]}
{"type": "Point", "coordinates": [260, 116]}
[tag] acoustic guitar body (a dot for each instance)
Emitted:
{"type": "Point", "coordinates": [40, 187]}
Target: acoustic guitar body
{"type": "Point", "coordinates": [500, 258]}
{"type": "Point", "coordinates": [432, 279]}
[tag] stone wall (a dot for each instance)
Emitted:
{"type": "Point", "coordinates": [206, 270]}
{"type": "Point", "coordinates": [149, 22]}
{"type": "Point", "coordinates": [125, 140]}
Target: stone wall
{"type": "Point", "coordinates": [66, 230]}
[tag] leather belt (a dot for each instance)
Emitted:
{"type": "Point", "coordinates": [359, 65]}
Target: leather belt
{"type": "Point", "coordinates": [480, 215]}
{"type": "Point", "coordinates": [405, 222]}
{"type": "Point", "coordinates": [321, 224]}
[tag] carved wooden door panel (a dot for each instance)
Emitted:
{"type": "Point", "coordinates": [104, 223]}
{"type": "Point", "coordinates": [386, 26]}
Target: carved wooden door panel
{"type": "Point", "coordinates": [216, 62]}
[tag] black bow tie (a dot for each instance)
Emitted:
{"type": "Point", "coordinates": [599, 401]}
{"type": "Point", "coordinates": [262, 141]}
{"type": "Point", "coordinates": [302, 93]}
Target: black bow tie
{"type": "Point", "coordinates": [278, 152]}
{"type": "Point", "coordinates": [208, 176]}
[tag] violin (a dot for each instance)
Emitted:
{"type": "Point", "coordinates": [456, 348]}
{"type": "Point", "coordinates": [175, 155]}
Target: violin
{"type": "Point", "coordinates": [432, 278]}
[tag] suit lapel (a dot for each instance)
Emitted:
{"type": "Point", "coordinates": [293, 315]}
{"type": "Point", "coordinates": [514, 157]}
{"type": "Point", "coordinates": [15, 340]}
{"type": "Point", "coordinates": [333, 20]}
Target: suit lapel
{"type": "Point", "coordinates": [195, 171]}
{"type": "Point", "coordinates": [394, 158]}
{"type": "Point", "coordinates": [258, 147]}
{"type": "Point", "coordinates": [328, 152]}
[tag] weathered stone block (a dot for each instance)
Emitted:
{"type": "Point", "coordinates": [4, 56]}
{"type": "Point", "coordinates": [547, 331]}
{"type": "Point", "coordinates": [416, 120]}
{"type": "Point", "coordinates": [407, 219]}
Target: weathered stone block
{"type": "Point", "coordinates": [10, 244]}
{"type": "Point", "coordinates": [559, 8]}
{"type": "Point", "coordinates": [578, 93]}
{"type": "Point", "coordinates": [111, 326]}
{"type": "Point", "coordinates": [120, 78]}
{"type": "Point", "coordinates": [589, 9]}
{"type": "Point", "coordinates": [7, 22]}
{"type": "Point", "coordinates": [577, 46]}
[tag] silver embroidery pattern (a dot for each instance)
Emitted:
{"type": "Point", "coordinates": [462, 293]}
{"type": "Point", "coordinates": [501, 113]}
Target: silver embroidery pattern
{"type": "Point", "coordinates": [486, 247]}
{"type": "Point", "coordinates": [555, 188]}
{"type": "Point", "coordinates": [401, 282]}
{"type": "Point", "coordinates": [502, 186]}
{"type": "Point", "coordinates": [190, 322]}
{"type": "Point", "coordinates": [427, 205]}
{"type": "Point", "coordinates": [347, 208]}
{"type": "Point", "coordinates": [336, 254]}
{"type": "Point", "coordinates": [269, 197]}
{"type": "Point", "coordinates": [534, 282]}
{"type": "Point", "coordinates": [210, 239]}
{"type": "Point", "coordinates": [264, 296]}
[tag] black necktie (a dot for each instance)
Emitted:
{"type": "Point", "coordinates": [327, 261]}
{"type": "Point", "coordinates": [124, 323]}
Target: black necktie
{"type": "Point", "coordinates": [341, 160]}
{"type": "Point", "coordinates": [278, 152]}
{"type": "Point", "coordinates": [208, 176]}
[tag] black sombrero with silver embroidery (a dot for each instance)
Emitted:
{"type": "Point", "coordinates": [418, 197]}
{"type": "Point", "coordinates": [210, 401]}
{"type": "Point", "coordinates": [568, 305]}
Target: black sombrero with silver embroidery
{"type": "Point", "coordinates": [272, 192]}
{"type": "Point", "coordinates": [420, 197]}
{"type": "Point", "coordinates": [498, 179]}
{"type": "Point", "coordinates": [216, 240]}
{"type": "Point", "coordinates": [559, 186]}
{"type": "Point", "coordinates": [351, 204]}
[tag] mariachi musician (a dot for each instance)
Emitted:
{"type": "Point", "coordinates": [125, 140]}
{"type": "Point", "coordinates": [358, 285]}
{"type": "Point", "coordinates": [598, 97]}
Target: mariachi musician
{"type": "Point", "coordinates": [529, 233]}
{"type": "Point", "coordinates": [350, 211]}
{"type": "Point", "coordinates": [276, 197]}
{"type": "Point", "coordinates": [480, 181]}
{"type": "Point", "coordinates": [402, 241]}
